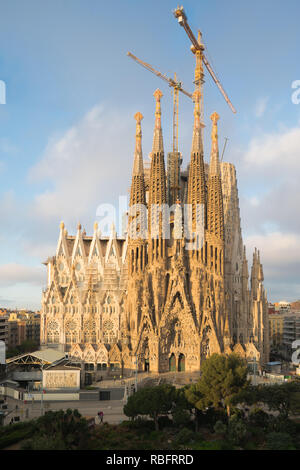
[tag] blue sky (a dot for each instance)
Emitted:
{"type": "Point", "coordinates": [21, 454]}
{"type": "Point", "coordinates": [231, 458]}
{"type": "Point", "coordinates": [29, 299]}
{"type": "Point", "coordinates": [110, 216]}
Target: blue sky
{"type": "Point", "coordinates": [67, 128]}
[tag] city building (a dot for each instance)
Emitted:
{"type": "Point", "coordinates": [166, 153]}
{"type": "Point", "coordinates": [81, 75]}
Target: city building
{"type": "Point", "coordinates": [276, 322]}
{"type": "Point", "coordinates": [19, 326]}
{"type": "Point", "coordinates": [152, 302]}
{"type": "Point", "coordinates": [13, 334]}
{"type": "Point", "coordinates": [283, 306]}
{"type": "Point", "coordinates": [3, 329]}
{"type": "Point", "coordinates": [291, 333]}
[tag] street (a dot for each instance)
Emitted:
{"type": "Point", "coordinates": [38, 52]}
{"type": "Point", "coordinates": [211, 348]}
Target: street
{"type": "Point", "coordinates": [112, 410]}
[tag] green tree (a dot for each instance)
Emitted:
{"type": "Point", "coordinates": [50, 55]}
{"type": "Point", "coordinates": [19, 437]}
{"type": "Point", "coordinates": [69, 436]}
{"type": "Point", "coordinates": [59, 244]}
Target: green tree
{"type": "Point", "coordinates": [222, 378]}
{"type": "Point", "coordinates": [220, 429]}
{"type": "Point", "coordinates": [151, 401]}
{"type": "Point", "coordinates": [237, 430]}
{"type": "Point", "coordinates": [61, 430]}
{"type": "Point", "coordinates": [283, 398]}
{"type": "Point", "coordinates": [182, 409]}
{"type": "Point", "coordinates": [279, 441]}
{"type": "Point", "coordinates": [26, 346]}
{"type": "Point", "coordinates": [193, 397]}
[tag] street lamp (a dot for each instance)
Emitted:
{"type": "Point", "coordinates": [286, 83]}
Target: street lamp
{"type": "Point", "coordinates": [254, 363]}
{"type": "Point", "coordinates": [42, 391]}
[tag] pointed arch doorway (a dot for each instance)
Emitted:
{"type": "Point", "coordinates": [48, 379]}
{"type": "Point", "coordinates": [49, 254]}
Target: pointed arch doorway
{"type": "Point", "coordinates": [181, 363]}
{"type": "Point", "coordinates": [172, 363]}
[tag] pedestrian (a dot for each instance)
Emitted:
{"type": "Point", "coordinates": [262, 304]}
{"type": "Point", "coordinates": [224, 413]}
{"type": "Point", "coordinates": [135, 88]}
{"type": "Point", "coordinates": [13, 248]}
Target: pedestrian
{"type": "Point", "coordinates": [100, 414]}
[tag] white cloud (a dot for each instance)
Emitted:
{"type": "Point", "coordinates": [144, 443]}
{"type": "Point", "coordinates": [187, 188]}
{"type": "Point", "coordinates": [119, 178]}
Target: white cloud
{"type": "Point", "coordinates": [90, 164]}
{"type": "Point", "coordinates": [277, 248]}
{"type": "Point", "coordinates": [280, 256]}
{"type": "Point", "coordinates": [275, 152]}
{"type": "Point", "coordinates": [270, 201]}
{"type": "Point", "coordinates": [14, 273]}
{"type": "Point", "coordinates": [260, 107]}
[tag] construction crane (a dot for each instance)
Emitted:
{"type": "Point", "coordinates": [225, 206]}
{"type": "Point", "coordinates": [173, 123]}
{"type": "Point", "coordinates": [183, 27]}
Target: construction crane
{"type": "Point", "coordinates": [177, 87]}
{"type": "Point", "coordinates": [197, 48]}
{"type": "Point", "coordinates": [226, 140]}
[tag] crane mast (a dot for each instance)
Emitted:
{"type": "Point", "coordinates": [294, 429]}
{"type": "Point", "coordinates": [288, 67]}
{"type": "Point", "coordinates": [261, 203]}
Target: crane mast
{"type": "Point", "coordinates": [174, 158]}
{"type": "Point", "coordinates": [177, 86]}
{"type": "Point", "coordinates": [198, 48]}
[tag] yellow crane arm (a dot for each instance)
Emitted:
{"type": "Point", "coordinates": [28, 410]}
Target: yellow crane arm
{"type": "Point", "coordinates": [170, 81]}
{"type": "Point", "coordinates": [217, 82]}
{"type": "Point", "coordinates": [182, 20]}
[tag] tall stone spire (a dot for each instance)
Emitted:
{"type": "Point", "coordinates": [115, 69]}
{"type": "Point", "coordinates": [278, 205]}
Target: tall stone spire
{"type": "Point", "coordinates": [197, 144]}
{"type": "Point", "coordinates": [214, 168]}
{"type": "Point", "coordinates": [137, 210]}
{"type": "Point", "coordinates": [157, 184]}
{"type": "Point", "coordinates": [137, 193]}
{"type": "Point", "coordinates": [215, 215]}
{"type": "Point", "coordinates": [158, 145]}
{"type": "Point", "coordinates": [196, 181]}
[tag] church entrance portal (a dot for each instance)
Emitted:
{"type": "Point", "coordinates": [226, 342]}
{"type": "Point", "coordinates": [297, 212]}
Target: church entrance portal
{"type": "Point", "coordinates": [172, 363]}
{"type": "Point", "coordinates": [146, 365]}
{"type": "Point", "coordinates": [181, 363]}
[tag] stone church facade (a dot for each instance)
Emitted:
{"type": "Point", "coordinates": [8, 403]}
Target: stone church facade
{"type": "Point", "coordinates": [155, 302]}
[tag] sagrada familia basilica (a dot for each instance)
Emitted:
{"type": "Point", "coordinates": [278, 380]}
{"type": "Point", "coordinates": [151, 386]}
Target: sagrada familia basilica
{"type": "Point", "coordinates": [160, 294]}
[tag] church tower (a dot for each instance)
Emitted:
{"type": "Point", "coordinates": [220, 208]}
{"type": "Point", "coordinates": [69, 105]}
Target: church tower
{"type": "Point", "coordinates": [137, 239]}
{"type": "Point", "coordinates": [214, 239]}
{"type": "Point", "coordinates": [157, 218]}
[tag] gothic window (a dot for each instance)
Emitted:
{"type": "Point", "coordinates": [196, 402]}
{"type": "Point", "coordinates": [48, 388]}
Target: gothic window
{"type": "Point", "coordinates": [71, 325]}
{"type": "Point", "coordinates": [90, 331]}
{"type": "Point", "coordinates": [68, 338]}
{"type": "Point", "coordinates": [52, 326]}
{"type": "Point", "coordinates": [78, 251]}
{"type": "Point", "coordinates": [108, 325]}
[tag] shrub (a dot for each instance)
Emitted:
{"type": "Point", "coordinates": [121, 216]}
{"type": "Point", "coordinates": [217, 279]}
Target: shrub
{"type": "Point", "coordinates": [259, 418]}
{"type": "Point", "coordinates": [212, 445]}
{"type": "Point", "coordinates": [14, 433]}
{"type": "Point", "coordinates": [44, 443]}
{"type": "Point", "coordinates": [211, 416]}
{"type": "Point", "coordinates": [237, 430]}
{"type": "Point", "coordinates": [181, 417]}
{"type": "Point", "coordinates": [184, 436]}
{"type": "Point", "coordinates": [139, 424]}
{"type": "Point", "coordinates": [164, 422]}
{"type": "Point", "coordinates": [220, 428]}
{"type": "Point", "coordinates": [279, 441]}
{"type": "Point", "coordinates": [284, 425]}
